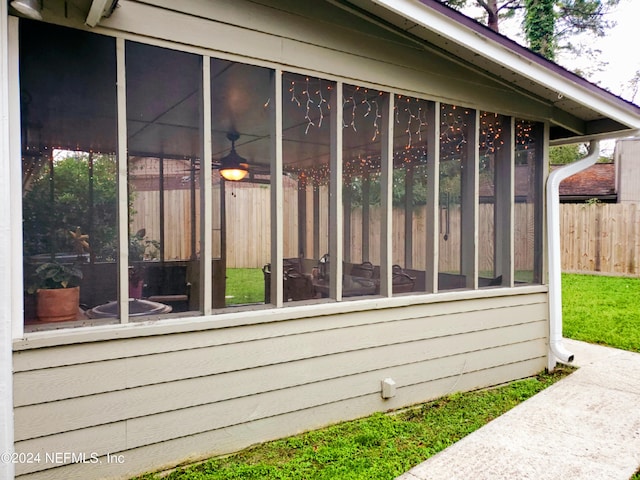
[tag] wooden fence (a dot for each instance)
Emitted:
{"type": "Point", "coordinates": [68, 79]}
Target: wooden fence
{"type": "Point", "coordinates": [601, 238]}
{"type": "Point", "coordinates": [595, 238]}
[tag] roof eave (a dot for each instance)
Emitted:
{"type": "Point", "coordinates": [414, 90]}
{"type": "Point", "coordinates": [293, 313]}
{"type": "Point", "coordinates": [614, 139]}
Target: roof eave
{"type": "Point", "coordinates": [466, 32]}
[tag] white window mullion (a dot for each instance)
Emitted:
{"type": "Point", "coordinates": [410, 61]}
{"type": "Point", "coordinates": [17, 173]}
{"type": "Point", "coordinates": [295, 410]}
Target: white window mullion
{"type": "Point", "coordinates": [433, 195]}
{"type": "Point", "coordinates": [277, 195]}
{"type": "Point", "coordinates": [123, 194]}
{"type": "Point", "coordinates": [206, 196]}
{"type": "Point", "coordinates": [12, 112]}
{"type": "Point", "coordinates": [470, 201]}
{"type": "Point", "coordinates": [335, 196]}
{"type": "Point", "coordinates": [386, 190]}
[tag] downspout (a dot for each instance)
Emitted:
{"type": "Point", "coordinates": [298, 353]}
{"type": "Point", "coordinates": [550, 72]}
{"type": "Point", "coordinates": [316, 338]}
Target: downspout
{"type": "Point", "coordinates": [553, 238]}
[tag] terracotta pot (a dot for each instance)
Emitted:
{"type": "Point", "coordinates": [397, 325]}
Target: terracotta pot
{"type": "Point", "coordinates": [58, 305]}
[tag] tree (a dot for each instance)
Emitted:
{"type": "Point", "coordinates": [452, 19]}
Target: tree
{"type": "Point", "coordinates": [539, 26]}
{"type": "Point", "coordinates": [564, 154]}
{"type": "Point", "coordinates": [548, 24]}
{"type": "Point", "coordinates": [49, 215]}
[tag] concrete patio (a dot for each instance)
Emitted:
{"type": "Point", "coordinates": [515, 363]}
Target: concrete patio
{"type": "Point", "coordinates": [587, 426]}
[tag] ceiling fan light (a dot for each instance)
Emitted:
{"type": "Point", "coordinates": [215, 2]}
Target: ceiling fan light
{"type": "Point", "coordinates": [29, 8]}
{"type": "Point", "coordinates": [233, 174]}
{"type": "Point", "coordinates": [233, 167]}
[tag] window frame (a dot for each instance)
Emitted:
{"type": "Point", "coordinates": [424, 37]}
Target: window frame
{"type": "Point", "coordinates": [336, 241]}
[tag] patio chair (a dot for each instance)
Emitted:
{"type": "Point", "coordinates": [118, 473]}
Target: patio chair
{"type": "Point", "coordinates": [167, 284]}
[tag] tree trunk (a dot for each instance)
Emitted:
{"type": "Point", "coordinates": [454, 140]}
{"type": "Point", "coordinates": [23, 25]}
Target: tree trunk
{"type": "Point", "coordinates": [491, 7]}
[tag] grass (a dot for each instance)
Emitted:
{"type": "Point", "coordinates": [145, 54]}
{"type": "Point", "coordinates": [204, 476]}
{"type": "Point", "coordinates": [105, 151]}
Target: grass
{"type": "Point", "coordinates": [376, 447]}
{"type": "Point", "coordinates": [602, 310]}
{"type": "Point", "coordinates": [244, 285]}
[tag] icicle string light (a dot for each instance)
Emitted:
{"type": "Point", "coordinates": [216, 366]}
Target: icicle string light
{"type": "Point", "coordinates": [321, 100]}
{"type": "Point", "coordinates": [292, 89]}
{"type": "Point", "coordinates": [376, 129]}
{"type": "Point", "coordinates": [411, 114]}
{"type": "Point", "coordinates": [308, 104]}
{"type": "Point", "coordinates": [361, 106]}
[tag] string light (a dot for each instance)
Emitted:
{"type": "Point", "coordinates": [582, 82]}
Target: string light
{"type": "Point", "coordinates": [490, 135]}
{"type": "Point", "coordinates": [292, 89]}
{"type": "Point", "coordinates": [376, 130]}
{"type": "Point", "coordinates": [412, 113]}
{"type": "Point", "coordinates": [454, 125]}
{"type": "Point", "coordinates": [320, 102]}
{"type": "Point", "coordinates": [308, 106]}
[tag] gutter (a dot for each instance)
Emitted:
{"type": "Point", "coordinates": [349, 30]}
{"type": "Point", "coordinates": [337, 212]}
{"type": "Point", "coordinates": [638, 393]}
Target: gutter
{"type": "Point", "coordinates": [553, 239]}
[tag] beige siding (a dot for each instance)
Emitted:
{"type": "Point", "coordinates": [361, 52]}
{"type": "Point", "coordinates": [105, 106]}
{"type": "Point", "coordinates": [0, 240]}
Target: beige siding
{"type": "Point", "coordinates": [225, 389]}
{"type": "Point", "coordinates": [626, 156]}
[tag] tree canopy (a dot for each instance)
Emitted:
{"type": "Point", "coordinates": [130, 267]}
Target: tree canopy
{"type": "Point", "coordinates": [548, 25]}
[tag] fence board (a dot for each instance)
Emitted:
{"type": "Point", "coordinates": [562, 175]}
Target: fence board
{"type": "Point", "coordinates": [600, 238]}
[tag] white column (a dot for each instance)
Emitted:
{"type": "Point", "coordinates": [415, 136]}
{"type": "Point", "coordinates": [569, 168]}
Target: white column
{"type": "Point", "coordinates": [9, 278]}
{"type": "Point", "coordinates": [123, 196]}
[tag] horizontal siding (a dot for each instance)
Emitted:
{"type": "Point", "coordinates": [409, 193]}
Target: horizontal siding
{"type": "Point", "coordinates": [75, 413]}
{"type": "Point", "coordinates": [217, 442]}
{"type": "Point", "coordinates": [225, 357]}
{"type": "Point", "coordinates": [134, 400]}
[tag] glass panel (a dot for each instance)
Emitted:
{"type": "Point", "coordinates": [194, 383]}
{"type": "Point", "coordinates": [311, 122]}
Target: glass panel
{"type": "Point", "coordinates": [68, 170]}
{"type": "Point", "coordinates": [528, 198]}
{"type": "Point", "coordinates": [412, 134]}
{"type": "Point", "coordinates": [454, 154]}
{"type": "Point", "coordinates": [493, 154]}
{"type": "Point", "coordinates": [164, 98]}
{"type": "Point", "coordinates": [364, 116]}
{"type": "Point", "coordinates": [242, 125]}
{"type": "Point", "coordinates": [306, 185]}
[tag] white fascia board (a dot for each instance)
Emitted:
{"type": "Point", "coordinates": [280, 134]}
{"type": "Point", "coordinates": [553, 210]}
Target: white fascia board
{"type": "Point", "coordinates": [441, 24]}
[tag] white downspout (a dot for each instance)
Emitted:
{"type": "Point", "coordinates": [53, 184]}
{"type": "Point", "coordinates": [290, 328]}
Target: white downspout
{"type": "Point", "coordinates": [553, 239]}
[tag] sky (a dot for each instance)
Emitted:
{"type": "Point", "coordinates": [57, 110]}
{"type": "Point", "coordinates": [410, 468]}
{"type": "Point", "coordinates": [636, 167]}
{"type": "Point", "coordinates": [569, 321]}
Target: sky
{"type": "Point", "coordinates": [619, 49]}
{"type": "Point", "coordinates": [618, 46]}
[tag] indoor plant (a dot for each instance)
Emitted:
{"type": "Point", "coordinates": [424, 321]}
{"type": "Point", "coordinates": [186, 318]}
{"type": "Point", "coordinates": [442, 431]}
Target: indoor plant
{"type": "Point", "coordinates": [57, 285]}
{"type": "Point", "coordinates": [141, 249]}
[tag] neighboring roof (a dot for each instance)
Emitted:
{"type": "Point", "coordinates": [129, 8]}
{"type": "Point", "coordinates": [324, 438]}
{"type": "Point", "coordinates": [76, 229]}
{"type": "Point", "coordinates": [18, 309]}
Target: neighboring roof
{"type": "Point", "coordinates": [597, 181]}
{"type": "Point", "coordinates": [580, 109]}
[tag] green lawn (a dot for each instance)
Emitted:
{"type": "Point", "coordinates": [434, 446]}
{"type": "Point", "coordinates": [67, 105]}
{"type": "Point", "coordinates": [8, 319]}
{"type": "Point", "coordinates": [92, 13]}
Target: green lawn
{"type": "Point", "coordinates": [603, 310]}
{"type": "Point", "coordinates": [377, 447]}
{"type": "Point", "coordinates": [244, 285]}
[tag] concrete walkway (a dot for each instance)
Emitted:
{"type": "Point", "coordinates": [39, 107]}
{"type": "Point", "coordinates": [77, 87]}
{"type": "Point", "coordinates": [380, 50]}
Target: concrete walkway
{"type": "Point", "coordinates": [585, 427]}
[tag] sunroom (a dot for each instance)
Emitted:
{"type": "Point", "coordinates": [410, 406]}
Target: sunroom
{"type": "Point", "coordinates": [278, 216]}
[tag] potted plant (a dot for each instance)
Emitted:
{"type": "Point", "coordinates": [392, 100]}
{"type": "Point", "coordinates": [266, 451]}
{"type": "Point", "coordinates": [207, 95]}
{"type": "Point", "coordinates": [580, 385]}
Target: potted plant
{"type": "Point", "coordinates": [57, 284]}
{"type": "Point", "coordinates": [141, 249]}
